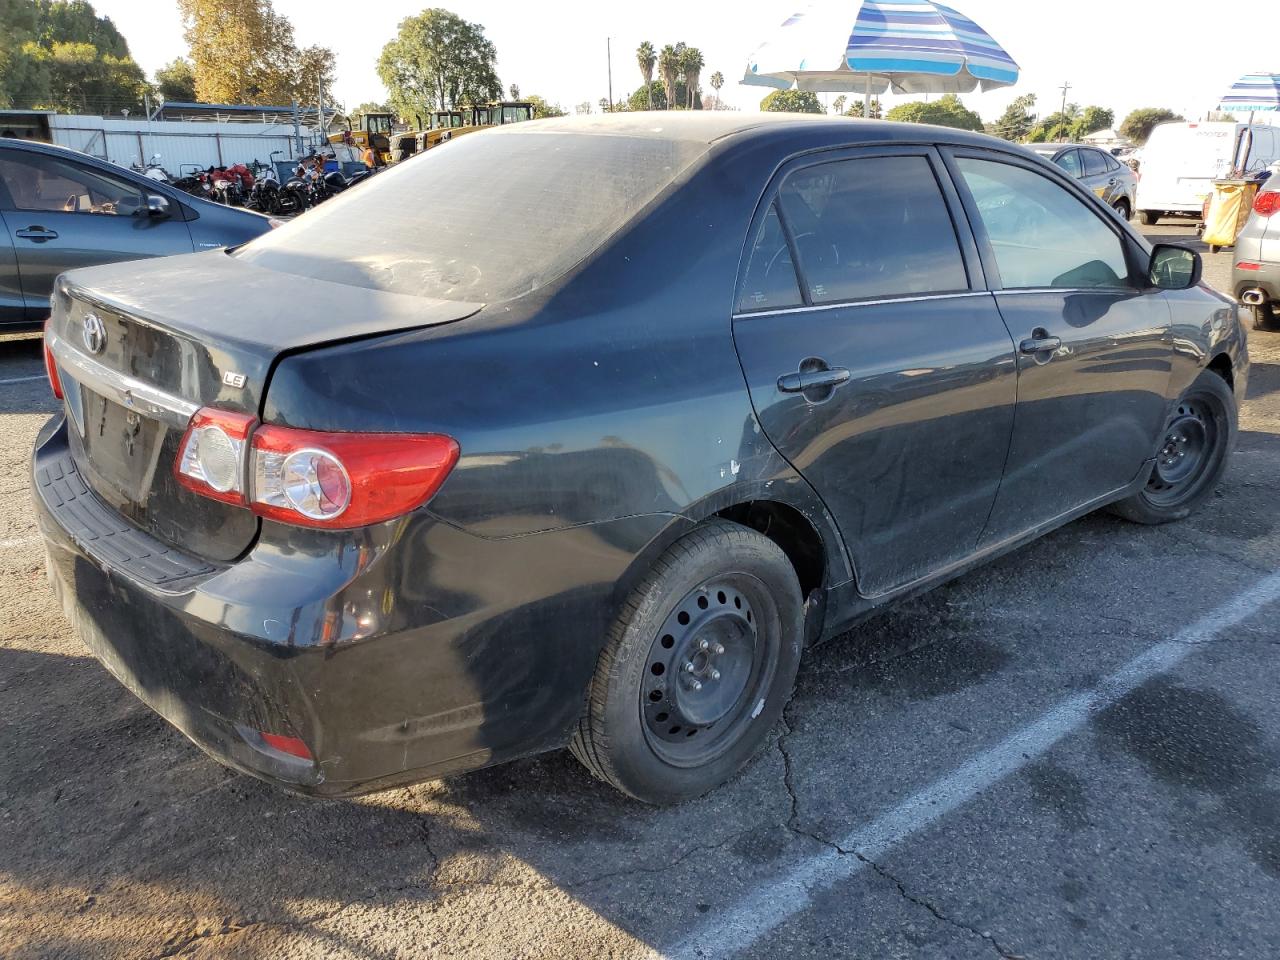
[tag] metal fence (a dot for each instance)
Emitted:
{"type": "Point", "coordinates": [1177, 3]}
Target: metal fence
{"type": "Point", "coordinates": [181, 144]}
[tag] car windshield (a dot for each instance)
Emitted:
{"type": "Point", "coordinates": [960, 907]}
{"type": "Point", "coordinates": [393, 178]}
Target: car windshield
{"type": "Point", "coordinates": [485, 218]}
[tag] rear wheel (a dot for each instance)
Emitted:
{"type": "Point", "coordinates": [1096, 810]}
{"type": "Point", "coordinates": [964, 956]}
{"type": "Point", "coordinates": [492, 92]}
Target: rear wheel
{"type": "Point", "coordinates": [1122, 209]}
{"type": "Point", "coordinates": [1149, 217]}
{"type": "Point", "coordinates": [1192, 457]}
{"type": "Point", "coordinates": [1263, 316]}
{"type": "Point", "coordinates": [697, 668]}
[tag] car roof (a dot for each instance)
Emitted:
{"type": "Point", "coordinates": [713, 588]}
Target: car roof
{"type": "Point", "coordinates": [711, 126]}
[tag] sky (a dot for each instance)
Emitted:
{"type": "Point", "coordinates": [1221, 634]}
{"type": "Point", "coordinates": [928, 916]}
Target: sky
{"type": "Point", "coordinates": [1120, 54]}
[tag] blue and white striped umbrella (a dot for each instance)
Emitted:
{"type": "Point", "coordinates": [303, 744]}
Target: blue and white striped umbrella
{"type": "Point", "coordinates": [1253, 93]}
{"type": "Point", "coordinates": [899, 46]}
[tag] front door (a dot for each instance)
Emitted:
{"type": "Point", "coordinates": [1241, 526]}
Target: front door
{"type": "Point", "coordinates": [877, 363]}
{"type": "Point", "coordinates": [62, 214]}
{"type": "Point", "coordinates": [1093, 342]}
{"type": "Point", "coordinates": [12, 308]}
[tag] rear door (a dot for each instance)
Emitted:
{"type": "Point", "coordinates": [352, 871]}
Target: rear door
{"type": "Point", "coordinates": [12, 308]}
{"type": "Point", "coordinates": [1094, 348]}
{"type": "Point", "coordinates": [62, 214]}
{"type": "Point", "coordinates": [1096, 176]}
{"type": "Point", "coordinates": [877, 362]}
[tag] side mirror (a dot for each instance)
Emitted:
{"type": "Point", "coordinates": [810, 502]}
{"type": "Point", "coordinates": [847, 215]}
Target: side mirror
{"type": "Point", "coordinates": [157, 206]}
{"type": "Point", "coordinates": [1174, 268]}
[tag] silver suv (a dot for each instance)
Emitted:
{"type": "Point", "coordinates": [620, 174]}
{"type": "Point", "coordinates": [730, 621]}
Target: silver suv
{"type": "Point", "coordinates": [1255, 278]}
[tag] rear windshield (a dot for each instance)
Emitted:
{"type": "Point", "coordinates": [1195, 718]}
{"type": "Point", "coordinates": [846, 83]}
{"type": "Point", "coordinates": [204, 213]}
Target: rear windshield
{"type": "Point", "coordinates": [484, 218]}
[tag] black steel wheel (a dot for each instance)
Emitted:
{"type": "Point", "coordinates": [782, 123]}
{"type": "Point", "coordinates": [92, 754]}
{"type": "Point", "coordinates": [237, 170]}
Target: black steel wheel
{"type": "Point", "coordinates": [710, 664]}
{"type": "Point", "coordinates": [1192, 455]}
{"type": "Point", "coordinates": [696, 669]}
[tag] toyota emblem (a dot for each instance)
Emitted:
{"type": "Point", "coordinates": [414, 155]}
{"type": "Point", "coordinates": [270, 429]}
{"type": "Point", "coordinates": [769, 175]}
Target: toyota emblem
{"type": "Point", "coordinates": [94, 333]}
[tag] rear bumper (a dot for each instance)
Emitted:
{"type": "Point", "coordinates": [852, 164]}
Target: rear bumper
{"type": "Point", "coordinates": [1266, 279]}
{"type": "Point", "coordinates": [404, 653]}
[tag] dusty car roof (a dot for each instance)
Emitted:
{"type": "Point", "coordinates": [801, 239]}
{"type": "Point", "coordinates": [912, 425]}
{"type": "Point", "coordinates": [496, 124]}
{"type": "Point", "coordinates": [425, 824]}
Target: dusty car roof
{"type": "Point", "coordinates": [703, 126]}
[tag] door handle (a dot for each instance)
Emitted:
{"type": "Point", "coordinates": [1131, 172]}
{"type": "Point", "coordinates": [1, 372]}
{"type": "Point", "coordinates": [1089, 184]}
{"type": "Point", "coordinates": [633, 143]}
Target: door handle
{"type": "Point", "coordinates": [812, 379]}
{"type": "Point", "coordinates": [1039, 342]}
{"type": "Point", "coordinates": [1112, 182]}
{"type": "Point", "coordinates": [38, 234]}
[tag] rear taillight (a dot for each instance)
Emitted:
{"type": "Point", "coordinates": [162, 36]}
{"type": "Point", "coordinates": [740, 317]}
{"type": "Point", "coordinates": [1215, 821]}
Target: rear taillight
{"type": "Point", "coordinates": [343, 480]}
{"type": "Point", "coordinates": [211, 455]}
{"type": "Point", "coordinates": [311, 478]}
{"type": "Point", "coordinates": [51, 366]}
{"type": "Point", "coordinates": [1248, 265]}
{"type": "Point", "coordinates": [1267, 204]}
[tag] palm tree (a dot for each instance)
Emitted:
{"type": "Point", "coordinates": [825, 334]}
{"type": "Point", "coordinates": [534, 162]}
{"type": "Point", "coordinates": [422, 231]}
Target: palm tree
{"type": "Point", "coordinates": [839, 103]}
{"type": "Point", "coordinates": [691, 64]}
{"type": "Point", "coordinates": [647, 58]}
{"type": "Point", "coordinates": [717, 81]}
{"type": "Point", "coordinates": [669, 71]}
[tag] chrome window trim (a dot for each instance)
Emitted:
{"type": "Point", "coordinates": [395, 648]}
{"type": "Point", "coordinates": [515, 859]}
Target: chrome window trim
{"type": "Point", "coordinates": [958, 295]}
{"type": "Point", "coordinates": [129, 392]}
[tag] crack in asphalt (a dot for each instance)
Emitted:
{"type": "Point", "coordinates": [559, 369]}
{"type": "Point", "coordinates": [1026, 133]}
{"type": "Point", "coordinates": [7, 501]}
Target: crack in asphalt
{"type": "Point", "coordinates": [794, 826]}
{"type": "Point", "coordinates": [1220, 554]}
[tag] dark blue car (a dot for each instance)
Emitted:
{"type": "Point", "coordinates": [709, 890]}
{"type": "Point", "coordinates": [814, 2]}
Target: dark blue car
{"type": "Point", "coordinates": [578, 431]}
{"type": "Point", "coordinates": [60, 209]}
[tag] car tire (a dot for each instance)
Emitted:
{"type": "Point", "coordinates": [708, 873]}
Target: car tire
{"type": "Point", "coordinates": [1149, 217]}
{"type": "Point", "coordinates": [723, 600]}
{"type": "Point", "coordinates": [1264, 316]}
{"type": "Point", "coordinates": [1202, 426]}
{"type": "Point", "coordinates": [1122, 209]}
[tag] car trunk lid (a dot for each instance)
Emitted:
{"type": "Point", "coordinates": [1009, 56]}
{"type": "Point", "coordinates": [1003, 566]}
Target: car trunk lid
{"type": "Point", "coordinates": [141, 347]}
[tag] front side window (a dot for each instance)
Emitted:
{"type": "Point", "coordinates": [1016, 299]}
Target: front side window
{"type": "Point", "coordinates": [1041, 234]}
{"type": "Point", "coordinates": [47, 184]}
{"type": "Point", "coordinates": [872, 227]}
{"type": "Point", "coordinates": [771, 277]}
{"type": "Point", "coordinates": [1070, 162]}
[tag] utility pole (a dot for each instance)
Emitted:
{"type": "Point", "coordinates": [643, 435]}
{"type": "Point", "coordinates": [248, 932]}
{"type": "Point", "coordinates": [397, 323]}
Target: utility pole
{"type": "Point", "coordinates": [608, 53]}
{"type": "Point", "coordinates": [1066, 85]}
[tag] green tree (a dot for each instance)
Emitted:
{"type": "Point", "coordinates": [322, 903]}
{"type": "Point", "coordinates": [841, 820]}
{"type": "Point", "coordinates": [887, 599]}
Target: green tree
{"type": "Point", "coordinates": [242, 51]}
{"type": "Point", "coordinates": [946, 111]}
{"type": "Point", "coordinates": [691, 64]}
{"type": "Point", "coordinates": [514, 91]}
{"type": "Point", "coordinates": [1018, 119]}
{"type": "Point", "coordinates": [646, 60]}
{"type": "Point", "coordinates": [75, 21]}
{"type": "Point", "coordinates": [653, 97]}
{"type": "Point", "coordinates": [1091, 119]}
{"type": "Point", "coordinates": [541, 108]}
{"type": "Point", "coordinates": [838, 103]}
{"type": "Point", "coordinates": [438, 61]}
{"type": "Point", "coordinates": [792, 101]}
{"type": "Point", "coordinates": [1138, 125]}
{"type": "Point", "coordinates": [23, 80]}
{"type": "Point", "coordinates": [176, 81]}
{"type": "Point", "coordinates": [669, 72]}
{"type": "Point", "coordinates": [82, 80]}
{"type": "Point", "coordinates": [855, 109]}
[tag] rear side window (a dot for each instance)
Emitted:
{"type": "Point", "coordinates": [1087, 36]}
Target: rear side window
{"type": "Point", "coordinates": [1112, 163]}
{"type": "Point", "coordinates": [484, 218]}
{"type": "Point", "coordinates": [771, 277]}
{"type": "Point", "coordinates": [1041, 234]}
{"type": "Point", "coordinates": [1095, 164]}
{"type": "Point", "coordinates": [1070, 162]}
{"type": "Point", "coordinates": [872, 227]}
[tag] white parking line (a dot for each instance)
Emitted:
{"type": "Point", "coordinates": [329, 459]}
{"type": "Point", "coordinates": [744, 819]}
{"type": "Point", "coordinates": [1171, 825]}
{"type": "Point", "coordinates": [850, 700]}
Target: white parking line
{"type": "Point", "coordinates": [782, 896]}
{"type": "Point", "coordinates": [23, 379]}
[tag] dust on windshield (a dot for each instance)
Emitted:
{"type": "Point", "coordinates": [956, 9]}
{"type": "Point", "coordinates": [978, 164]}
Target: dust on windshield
{"type": "Point", "coordinates": [485, 218]}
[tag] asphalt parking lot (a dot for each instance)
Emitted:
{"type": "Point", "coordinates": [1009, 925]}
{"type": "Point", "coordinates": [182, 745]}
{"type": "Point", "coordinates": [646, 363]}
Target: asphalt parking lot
{"type": "Point", "coordinates": [1072, 752]}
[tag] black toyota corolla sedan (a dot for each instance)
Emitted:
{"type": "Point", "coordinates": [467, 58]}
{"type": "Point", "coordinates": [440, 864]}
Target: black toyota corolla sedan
{"type": "Point", "coordinates": [579, 431]}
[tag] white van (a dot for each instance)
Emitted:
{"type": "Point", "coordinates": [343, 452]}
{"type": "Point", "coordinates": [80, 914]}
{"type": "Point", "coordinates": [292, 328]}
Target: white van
{"type": "Point", "coordinates": [1181, 161]}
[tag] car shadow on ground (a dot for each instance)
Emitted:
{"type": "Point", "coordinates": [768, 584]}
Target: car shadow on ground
{"type": "Point", "coordinates": [124, 840]}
